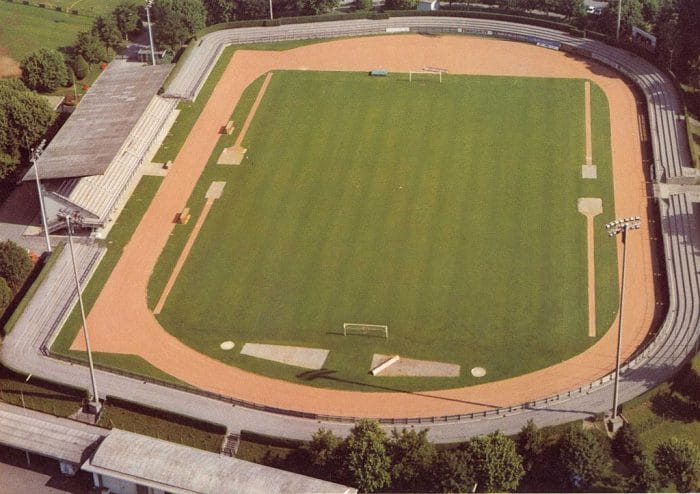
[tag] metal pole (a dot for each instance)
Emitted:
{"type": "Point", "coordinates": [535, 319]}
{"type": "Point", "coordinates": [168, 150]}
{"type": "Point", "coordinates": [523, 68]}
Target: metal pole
{"type": "Point", "coordinates": [96, 397]}
{"type": "Point", "coordinates": [619, 325]}
{"type": "Point", "coordinates": [271, 17]}
{"type": "Point", "coordinates": [619, 19]}
{"type": "Point", "coordinates": [35, 157]}
{"type": "Point", "coordinates": [150, 31]}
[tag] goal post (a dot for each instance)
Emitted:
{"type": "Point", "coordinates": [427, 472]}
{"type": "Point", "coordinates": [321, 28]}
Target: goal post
{"type": "Point", "coordinates": [430, 71]}
{"type": "Point", "coordinates": [365, 329]}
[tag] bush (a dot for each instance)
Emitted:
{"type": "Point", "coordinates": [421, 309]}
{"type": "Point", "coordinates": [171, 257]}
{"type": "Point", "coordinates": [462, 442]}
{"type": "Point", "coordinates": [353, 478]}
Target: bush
{"type": "Point", "coordinates": [626, 445]}
{"type": "Point", "coordinates": [15, 264]}
{"type": "Point", "coordinates": [363, 5]}
{"type": "Point", "coordinates": [80, 67]}
{"type": "Point", "coordinates": [44, 70]}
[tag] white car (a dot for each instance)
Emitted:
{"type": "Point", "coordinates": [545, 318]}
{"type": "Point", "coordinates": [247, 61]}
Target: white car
{"type": "Point", "coordinates": [590, 9]}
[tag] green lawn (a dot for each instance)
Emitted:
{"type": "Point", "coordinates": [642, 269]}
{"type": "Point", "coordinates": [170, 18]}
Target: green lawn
{"type": "Point", "coordinates": [447, 211]}
{"type": "Point", "coordinates": [26, 29]}
{"type": "Point", "coordinates": [670, 409]}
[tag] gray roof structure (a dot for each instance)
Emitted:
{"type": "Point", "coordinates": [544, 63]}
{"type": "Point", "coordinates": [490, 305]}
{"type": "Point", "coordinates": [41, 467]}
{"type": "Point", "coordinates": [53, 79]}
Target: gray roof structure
{"type": "Point", "coordinates": [47, 436]}
{"type": "Point", "coordinates": [93, 135]}
{"type": "Point", "coordinates": [181, 469]}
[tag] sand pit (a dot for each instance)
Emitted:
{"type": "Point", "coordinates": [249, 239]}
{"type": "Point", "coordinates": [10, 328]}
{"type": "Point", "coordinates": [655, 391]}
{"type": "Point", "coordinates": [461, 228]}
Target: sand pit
{"type": "Point", "coordinates": [308, 358]}
{"type": "Point", "coordinates": [415, 368]}
{"type": "Point", "coordinates": [231, 156]}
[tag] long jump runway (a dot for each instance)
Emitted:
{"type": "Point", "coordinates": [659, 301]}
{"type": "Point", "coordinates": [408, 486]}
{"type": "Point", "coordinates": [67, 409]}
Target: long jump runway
{"type": "Point", "coordinates": [121, 322]}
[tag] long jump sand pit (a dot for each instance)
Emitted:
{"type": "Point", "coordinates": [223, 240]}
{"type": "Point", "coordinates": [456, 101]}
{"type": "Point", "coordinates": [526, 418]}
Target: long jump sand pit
{"type": "Point", "coordinates": [121, 321]}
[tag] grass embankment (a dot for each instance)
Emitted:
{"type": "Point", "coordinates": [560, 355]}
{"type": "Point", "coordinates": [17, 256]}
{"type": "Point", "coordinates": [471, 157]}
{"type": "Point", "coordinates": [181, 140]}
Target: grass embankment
{"type": "Point", "coordinates": [40, 395]}
{"type": "Point", "coordinates": [116, 241]}
{"type": "Point", "coordinates": [444, 210]}
{"type": "Point", "coordinates": [26, 29]}
{"type": "Point", "coordinates": [671, 409]}
{"type": "Point", "coordinates": [162, 425]}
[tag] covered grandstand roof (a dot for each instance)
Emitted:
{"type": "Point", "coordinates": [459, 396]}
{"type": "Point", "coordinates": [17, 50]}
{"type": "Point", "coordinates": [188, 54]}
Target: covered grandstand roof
{"type": "Point", "coordinates": [93, 135]}
{"type": "Point", "coordinates": [180, 469]}
{"type": "Point", "coordinates": [47, 436]}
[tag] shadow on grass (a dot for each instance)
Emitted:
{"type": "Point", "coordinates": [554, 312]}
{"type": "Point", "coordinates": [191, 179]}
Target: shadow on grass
{"type": "Point", "coordinates": [328, 374]}
{"type": "Point", "coordinates": [672, 407]}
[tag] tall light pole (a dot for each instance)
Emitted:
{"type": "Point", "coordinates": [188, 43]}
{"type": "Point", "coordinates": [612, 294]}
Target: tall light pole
{"type": "Point", "coordinates": [621, 226]}
{"type": "Point", "coordinates": [36, 152]}
{"type": "Point", "coordinates": [271, 10]}
{"type": "Point", "coordinates": [619, 19]}
{"type": "Point", "coordinates": [149, 4]}
{"type": "Point", "coordinates": [95, 401]}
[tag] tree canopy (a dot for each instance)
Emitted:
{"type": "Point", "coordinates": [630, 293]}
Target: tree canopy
{"type": "Point", "coordinates": [583, 459]}
{"type": "Point", "coordinates": [412, 456]}
{"type": "Point", "coordinates": [176, 21]}
{"type": "Point", "coordinates": [24, 118]}
{"type": "Point", "coordinates": [364, 457]}
{"type": "Point", "coordinates": [678, 461]}
{"type": "Point", "coordinates": [15, 264]}
{"type": "Point", "coordinates": [496, 465]}
{"type": "Point", "coordinates": [44, 70]}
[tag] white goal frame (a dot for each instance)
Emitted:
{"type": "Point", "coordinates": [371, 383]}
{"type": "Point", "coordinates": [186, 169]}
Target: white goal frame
{"type": "Point", "coordinates": [364, 329]}
{"type": "Point", "coordinates": [427, 71]}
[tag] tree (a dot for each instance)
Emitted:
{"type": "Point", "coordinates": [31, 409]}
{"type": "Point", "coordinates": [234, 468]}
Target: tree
{"type": "Point", "coordinates": [496, 465]}
{"type": "Point", "coordinates": [365, 461]}
{"type": "Point", "coordinates": [254, 9]}
{"type": "Point", "coordinates": [400, 4]}
{"type": "Point", "coordinates": [27, 116]}
{"type": "Point", "coordinates": [626, 445]}
{"type": "Point", "coordinates": [363, 5]}
{"type": "Point", "coordinates": [90, 48]}
{"type": "Point", "coordinates": [310, 7]}
{"type": "Point", "coordinates": [177, 21]}
{"type": "Point", "coordinates": [105, 28]}
{"type": "Point", "coordinates": [530, 444]}
{"type": "Point", "coordinates": [220, 11]}
{"type": "Point", "coordinates": [44, 70]}
{"type": "Point", "coordinates": [571, 8]}
{"type": "Point", "coordinates": [412, 456]}
{"type": "Point", "coordinates": [452, 472]}
{"type": "Point", "coordinates": [80, 67]}
{"type": "Point", "coordinates": [645, 477]}
{"type": "Point", "coordinates": [5, 295]}
{"type": "Point", "coordinates": [126, 17]}
{"type": "Point", "coordinates": [631, 16]}
{"type": "Point", "coordinates": [678, 460]}
{"type": "Point", "coordinates": [321, 454]}
{"type": "Point", "coordinates": [15, 264]}
{"type": "Point", "coordinates": [583, 459]}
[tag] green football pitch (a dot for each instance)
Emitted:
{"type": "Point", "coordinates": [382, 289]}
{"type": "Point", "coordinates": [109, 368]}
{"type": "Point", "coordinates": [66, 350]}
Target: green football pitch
{"type": "Point", "coordinates": [445, 211]}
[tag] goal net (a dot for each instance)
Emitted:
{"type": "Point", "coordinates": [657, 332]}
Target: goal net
{"type": "Point", "coordinates": [366, 329]}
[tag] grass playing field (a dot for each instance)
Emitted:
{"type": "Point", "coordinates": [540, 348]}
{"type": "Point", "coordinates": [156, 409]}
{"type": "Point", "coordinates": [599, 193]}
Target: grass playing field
{"type": "Point", "coordinates": [447, 211]}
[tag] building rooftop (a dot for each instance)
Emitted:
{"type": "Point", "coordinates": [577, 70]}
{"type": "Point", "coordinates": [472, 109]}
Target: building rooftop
{"type": "Point", "coordinates": [47, 436]}
{"type": "Point", "coordinates": [180, 469]}
{"type": "Point", "coordinates": [93, 135]}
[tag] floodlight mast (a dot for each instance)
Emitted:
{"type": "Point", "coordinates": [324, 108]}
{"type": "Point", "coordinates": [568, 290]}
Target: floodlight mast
{"type": "Point", "coordinates": [149, 4]}
{"type": "Point", "coordinates": [36, 152]}
{"type": "Point", "coordinates": [271, 17]}
{"type": "Point", "coordinates": [621, 226]}
{"type": "Point", "coordinates": [68, 215]}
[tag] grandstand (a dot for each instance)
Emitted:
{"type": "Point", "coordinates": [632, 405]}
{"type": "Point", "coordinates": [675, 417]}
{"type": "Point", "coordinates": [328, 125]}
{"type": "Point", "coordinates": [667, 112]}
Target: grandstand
{"type": "Point", "coordinates": [91, 165]}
